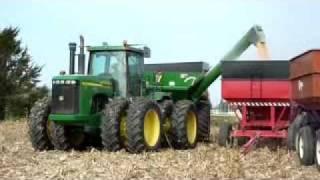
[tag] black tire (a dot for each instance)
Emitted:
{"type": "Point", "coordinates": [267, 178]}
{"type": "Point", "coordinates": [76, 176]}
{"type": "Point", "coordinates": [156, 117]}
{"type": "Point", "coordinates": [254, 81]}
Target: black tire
{"type": "Point", "coordinates": [138, 139]}
{"type": "Point", "coordinates": [67, 137]}
{"type": "Point", "coordinates": [184, 113]}
{"type": "Point", "coordinates": [38, 125]}
{"type": "Point", "coordinates": [306, 150]}
{"type": "Point", "coordinates": [166, 108]}
{"type": "Point", "coordinates": [293, 132]}
{"type": "Point", "coordinates": [203, 109]}
{"type": "Point", "coordinates": [110, 124]}
{"type": "Point", "coordinates": [166, 111]}
{"type": "Point", "coordinates": [224, 138]}
{"type": "Point", "coordinates": [317, 153]}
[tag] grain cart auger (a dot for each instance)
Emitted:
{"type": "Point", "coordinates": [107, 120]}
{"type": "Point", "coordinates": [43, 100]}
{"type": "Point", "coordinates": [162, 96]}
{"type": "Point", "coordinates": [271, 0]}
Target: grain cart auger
{"type": "Point", "coordinates": [125, 103]}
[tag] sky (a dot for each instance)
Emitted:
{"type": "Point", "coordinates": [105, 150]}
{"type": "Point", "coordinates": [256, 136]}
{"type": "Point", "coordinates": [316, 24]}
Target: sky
{"type": "Point", "coordinates": [176, 31]}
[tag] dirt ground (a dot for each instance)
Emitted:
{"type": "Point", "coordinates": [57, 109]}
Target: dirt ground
{"type": "Point", "coordinates": [19, 161]}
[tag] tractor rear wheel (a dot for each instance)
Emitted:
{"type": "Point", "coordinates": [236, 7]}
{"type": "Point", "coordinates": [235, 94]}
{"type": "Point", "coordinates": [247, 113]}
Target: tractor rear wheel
{"type": "Point", "coordinates": [40, 126]}
{"type": "Point", "coordinates": [224, 137]}
{"type": "Point", "coordinates": [144, 125]}
{"type": "Point", "coordinates": [184, 125]}
{"type": "Point", "coordinates": [203, 109]}
{"type": "Point", "coordinates": [67, 137]}
{"type": "Point", "coordinates": [113, 119]}
{"type": "Point", "coordinates": [306, 143]}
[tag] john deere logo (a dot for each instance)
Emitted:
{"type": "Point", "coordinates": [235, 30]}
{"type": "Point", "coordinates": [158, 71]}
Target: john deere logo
{"type": "Point", "coordinates": [300, 85]}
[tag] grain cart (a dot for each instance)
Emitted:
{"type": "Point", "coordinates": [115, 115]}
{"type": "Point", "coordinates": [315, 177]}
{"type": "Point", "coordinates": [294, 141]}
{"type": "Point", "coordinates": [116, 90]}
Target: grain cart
{"type": "Point", "coordinates": [304, 131]}
{"type": "Point", "coordinates": [126, 106]}
{"type": "Point", "coordinates": [260, 92]}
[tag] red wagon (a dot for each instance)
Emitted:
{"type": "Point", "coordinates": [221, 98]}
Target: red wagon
{"type": "Point", "coordinates": [259, 92]}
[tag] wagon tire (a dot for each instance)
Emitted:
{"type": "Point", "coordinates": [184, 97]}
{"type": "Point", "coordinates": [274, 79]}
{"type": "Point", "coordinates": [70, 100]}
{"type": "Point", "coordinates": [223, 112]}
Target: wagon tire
{"type": "Point", "coordinates": [317, 156]}
{"type": "Point", "coordinates": [306, 143]}
{"type": "Point", "coordinates": [224, 136]}
{"type": "Point", "coordinates": [293, 130]}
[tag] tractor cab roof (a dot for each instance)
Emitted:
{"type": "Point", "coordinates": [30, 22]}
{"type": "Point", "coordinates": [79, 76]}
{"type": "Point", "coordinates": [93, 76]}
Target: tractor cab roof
{"type": "Point", "coordinates": [114, 48]}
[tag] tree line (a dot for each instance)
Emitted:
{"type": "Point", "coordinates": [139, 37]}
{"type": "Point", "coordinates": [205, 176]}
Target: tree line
{"type": "Point", "coordinates": [19, 76]}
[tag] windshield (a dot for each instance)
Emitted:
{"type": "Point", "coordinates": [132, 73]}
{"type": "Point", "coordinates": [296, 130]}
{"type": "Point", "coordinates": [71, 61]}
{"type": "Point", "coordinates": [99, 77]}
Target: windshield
{"type": "Point", "coordinates": [112, 64]}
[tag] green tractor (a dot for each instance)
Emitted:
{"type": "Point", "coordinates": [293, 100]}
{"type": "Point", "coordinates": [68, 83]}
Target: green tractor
{"type": "Point", "coordinates": [123, 103]}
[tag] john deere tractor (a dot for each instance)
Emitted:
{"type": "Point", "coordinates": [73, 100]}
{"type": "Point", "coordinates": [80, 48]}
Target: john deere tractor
{"type": "Point", "coordinates": [124, 103]}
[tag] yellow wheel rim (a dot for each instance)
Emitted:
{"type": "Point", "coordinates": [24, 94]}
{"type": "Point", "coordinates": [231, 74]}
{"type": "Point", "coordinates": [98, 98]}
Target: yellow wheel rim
{"type": "Point", "coordinates": [49, 129]}
{"type": "Point", "coordinates": [123, 128]}
{"type": "Point", "coordinates": [151, 128]}
{"type": "Point", "coordinates": [191, 127]}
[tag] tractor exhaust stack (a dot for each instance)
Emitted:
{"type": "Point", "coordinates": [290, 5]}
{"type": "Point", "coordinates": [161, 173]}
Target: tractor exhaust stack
{"type": "Point", "coordinates": [72, 48]}
{"type": "Point", "coordinates": [81, 57]}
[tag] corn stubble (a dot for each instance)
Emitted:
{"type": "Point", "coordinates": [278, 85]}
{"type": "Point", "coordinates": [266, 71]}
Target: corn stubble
{"type": "Point", "coordinates": [19, 161]}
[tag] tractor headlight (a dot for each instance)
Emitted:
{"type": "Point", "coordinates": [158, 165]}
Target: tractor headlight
{"type": "Point", "coordinates": [66, 82]}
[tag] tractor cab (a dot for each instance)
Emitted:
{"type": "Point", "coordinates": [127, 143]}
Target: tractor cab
{"type": "Point", "coordinates": [112, 71]}
{"type": "Point", "coordinates": [122, 65]}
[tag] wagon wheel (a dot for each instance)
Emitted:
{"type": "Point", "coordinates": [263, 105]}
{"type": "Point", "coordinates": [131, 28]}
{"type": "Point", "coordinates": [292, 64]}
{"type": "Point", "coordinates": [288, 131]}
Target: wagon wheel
{"type": "Point", "coordinates": [292, 140]}
{"type": "Point", "coordinates": [306, 144]}
{"type": "Point", "coordinates": [317, 158]}
{"type": "Point", "coordinates": [224, 138]}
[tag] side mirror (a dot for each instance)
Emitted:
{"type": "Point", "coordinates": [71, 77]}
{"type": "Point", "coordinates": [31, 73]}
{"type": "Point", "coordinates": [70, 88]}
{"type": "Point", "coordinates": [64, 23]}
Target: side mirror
{"type": "Point", "coordinates": [146, 52]}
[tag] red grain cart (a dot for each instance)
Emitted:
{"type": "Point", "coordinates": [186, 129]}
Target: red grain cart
{"type": "Point", "coordinates": [304, 131]}
{"type": "Point", "coordinates": [259, 92]}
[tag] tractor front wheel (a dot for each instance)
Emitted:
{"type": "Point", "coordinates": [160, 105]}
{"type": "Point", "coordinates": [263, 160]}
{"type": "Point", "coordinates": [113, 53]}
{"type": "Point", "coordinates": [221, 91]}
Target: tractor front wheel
{"type": "Point", "coordinates": [113, 125]}
{"type": "Point", "coordinates": [67, 137]}
{"type": "Point", "coordinates": [40, 126]}
{"type": "Point", "coordinates": [184, 125]}
{"type": "Point", "coordinates": [144, 126]}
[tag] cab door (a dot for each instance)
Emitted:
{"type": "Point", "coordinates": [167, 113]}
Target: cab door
{"type": "Point", "coordinates": [135, 73]}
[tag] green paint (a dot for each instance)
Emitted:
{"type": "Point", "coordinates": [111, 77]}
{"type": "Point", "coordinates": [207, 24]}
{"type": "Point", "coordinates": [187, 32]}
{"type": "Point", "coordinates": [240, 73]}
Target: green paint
{"type": "Point", "coordinates": [253, 36]}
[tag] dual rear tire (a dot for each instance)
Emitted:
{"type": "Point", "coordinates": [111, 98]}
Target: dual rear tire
{"type": "Point", "coordinates": [135, 126]}
{"type": "Point", "coordinates": [184, 130]}
{"type": "Point", "coordinates": [139, 126]}
{"type": "Point", "coordinates": [144, 126]}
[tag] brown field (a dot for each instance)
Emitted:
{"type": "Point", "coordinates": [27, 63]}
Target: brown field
{"type": "Point", "coordinates": [19, 161]}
